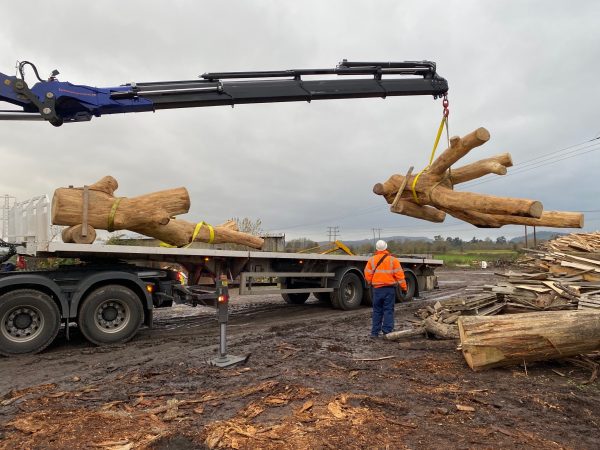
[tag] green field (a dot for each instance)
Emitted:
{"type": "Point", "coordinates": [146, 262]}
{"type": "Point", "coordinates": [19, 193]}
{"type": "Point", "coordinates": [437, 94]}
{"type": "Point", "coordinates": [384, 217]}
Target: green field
{"type": "Point", "coordinates": [473, 256]}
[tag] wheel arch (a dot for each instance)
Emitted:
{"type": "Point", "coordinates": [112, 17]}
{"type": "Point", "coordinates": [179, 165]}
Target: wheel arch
{"type": "Point", "coordinates": [408, 273]}
{"type": "Point", "coordinates": [38, 283]}
{"type": "Point", "coordinates": [124, 279]}
{"type": "Point", "coordinates": [341, 272]}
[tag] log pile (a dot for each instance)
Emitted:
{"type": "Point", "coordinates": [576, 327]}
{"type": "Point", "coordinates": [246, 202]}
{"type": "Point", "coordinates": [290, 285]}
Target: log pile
{"type": "Point", "coordinates": [559, 289]}
{"type": "Point", "coordinates": [88, 208]}
{"type": "Point", "coordinates": [430, 194]}
{"type": "Point", "coordinates": [564, 274]}
{"type": "Point", "coordinates": [575, 242]}
{"type": "Point", "coordinates": [440, 320]}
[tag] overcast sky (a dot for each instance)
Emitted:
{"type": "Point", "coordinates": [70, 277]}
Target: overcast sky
{"type": "Point", "coordinates": [525, 70]}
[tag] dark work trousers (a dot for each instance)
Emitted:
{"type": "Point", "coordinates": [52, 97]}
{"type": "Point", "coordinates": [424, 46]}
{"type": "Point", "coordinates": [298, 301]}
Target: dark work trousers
{"type": "Point", "coordinates": [384, 299]}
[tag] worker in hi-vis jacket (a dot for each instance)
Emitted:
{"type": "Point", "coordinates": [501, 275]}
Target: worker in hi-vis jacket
{"type": "Point", "coordinates": [383, 273]}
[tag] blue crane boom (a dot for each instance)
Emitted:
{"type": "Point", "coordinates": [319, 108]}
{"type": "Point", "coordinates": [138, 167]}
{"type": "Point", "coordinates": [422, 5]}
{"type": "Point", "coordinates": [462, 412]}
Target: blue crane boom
{"type": "Point", "coordinates": [61, 102]}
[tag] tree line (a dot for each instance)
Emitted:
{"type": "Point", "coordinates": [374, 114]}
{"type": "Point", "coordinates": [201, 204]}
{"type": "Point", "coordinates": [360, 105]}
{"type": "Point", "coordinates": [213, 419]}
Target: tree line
{"type": "Point", "coordinates": [439, 244]}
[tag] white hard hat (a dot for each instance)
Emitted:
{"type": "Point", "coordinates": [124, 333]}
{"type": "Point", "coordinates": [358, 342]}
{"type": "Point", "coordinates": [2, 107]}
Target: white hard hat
{"type": "Point", "coordinates": [381, 245]}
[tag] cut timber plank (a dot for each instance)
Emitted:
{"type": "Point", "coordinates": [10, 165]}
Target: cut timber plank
{"type": "Point", "coordinates": [580, 266]}
{"type": "Point", "coordinates": [532, 288]}
{"type": "Point", "coordinates": [588, 303]}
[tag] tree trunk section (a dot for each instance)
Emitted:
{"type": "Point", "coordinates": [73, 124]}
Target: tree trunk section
{"type": "Point", "coordinates": [408, 208]}
{"type": "Point", "coordinates": [397, 335]}
{"type": "Point", "coordinates": [440, 330]}
{"type": "Point", "coordinates": [180, 232]}
{"type": "Point", "coordinates": [496, 341]}
{"type": "Point", "coordinates": [489, 204]}
{"type": "Point", "coordinates": [496, 164]}
{"type": "Point", "coordinates": [129, 213]}
{"type": "Point", "coordinates": [459, 147]}
{"type": "Point", "coordinates": [555, 219]}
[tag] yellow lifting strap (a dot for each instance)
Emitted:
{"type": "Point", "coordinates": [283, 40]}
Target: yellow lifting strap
{"type": "Point", "coordinates": [111, 216]}
{"type": "Point", "coordinates": [199, 225]}
{"type": "Point", "coordinates": [437, 140]}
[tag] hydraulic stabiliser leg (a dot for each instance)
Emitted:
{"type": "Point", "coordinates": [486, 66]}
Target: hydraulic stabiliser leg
{"type": "Point", "coordinates": [223, 359]}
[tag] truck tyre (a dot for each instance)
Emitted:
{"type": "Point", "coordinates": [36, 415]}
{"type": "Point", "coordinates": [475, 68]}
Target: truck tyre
{"type": "Point", "coordinates": [296, 298]}
{"type": "Point", "coordinates": [29, 321]}
{"type": "Point", "coordinates": [349, 294]}
{"type": "Point", "coordinates": [411, 284]}
{"type": "Point", "coordinates": [111, 314]}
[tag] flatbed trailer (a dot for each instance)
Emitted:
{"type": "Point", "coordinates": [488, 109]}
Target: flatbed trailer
{"type": "Point", "coordinates": [113, 289]}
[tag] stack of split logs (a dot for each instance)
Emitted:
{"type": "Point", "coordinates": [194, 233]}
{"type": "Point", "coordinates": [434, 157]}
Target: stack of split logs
{"type": "Point", "coordinates": [430, 194]}
{"type": "Point", "coordinates": [549, 308]}
{"type": "Point", "coordinates": [85, 209]}
{"type": "Point", "coordinates": [564, 274]}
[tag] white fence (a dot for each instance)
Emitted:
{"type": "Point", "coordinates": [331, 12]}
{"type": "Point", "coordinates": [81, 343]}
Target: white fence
{"type": "Point", "coordinates": [29, 222]}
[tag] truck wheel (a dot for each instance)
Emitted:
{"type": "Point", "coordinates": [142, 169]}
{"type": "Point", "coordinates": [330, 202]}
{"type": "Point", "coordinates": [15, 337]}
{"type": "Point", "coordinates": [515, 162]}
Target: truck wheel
{"type": "Point", "coordinates": [296, 298]}
{"type": "Point", "coordinates": [111, 314]}
{"type": "Point", "coordinates": [29, 321]}
{"type": "Point", "coordinates": [350, 293]}
{"type": "Point", "coordinates": [323, 297]}
{"type": "Point", "coordinates": [411, 284]}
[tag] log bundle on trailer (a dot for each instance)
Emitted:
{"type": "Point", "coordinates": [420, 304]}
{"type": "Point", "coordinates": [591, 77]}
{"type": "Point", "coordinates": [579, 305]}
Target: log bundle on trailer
{"type": "Point", "coordinates": [86, 209]}
{"type": "Point", "coordinates": [430, 194]}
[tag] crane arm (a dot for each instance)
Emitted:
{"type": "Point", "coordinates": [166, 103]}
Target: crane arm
{"type": "Point", "coordinates": [59, 102]}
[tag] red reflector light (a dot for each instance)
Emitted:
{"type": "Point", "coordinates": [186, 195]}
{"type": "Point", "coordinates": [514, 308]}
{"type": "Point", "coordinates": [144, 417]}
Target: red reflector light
{"type": "Point", "coordinates": [223, 298]}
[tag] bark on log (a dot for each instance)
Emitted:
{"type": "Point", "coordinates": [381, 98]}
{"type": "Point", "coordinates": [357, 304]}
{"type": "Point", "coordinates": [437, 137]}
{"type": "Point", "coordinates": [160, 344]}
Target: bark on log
{"type": "Point", "coordinates": [496, 164]}
{"type": "Point", "coordinates": [440, 330]}
{"type": "Point", "coordinates": [397, 335]}
{"type": "Point", "coordinates": [494, 341]}
{"type": "Point", "coordinates": [408, 208]}
{"type": "Point", "coordinates": [489, 204]}
{"type": "Point", "coordinates": [459, 147]}
{"type": "Point", "coordinates": [554, 219]}
{"type": "Point", "coordinates": [179, 233]}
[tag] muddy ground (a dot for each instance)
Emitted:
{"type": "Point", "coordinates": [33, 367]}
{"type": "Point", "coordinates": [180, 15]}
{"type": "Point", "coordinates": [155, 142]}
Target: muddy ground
{"type": "Point", "coordinates": [312, 380]}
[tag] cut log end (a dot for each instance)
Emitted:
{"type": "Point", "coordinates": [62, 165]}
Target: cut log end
{"type": "Point", "coordinates": [536, 209]}
{"type": "Point", "coordinates": [378, 189]}
{"type": "Point", "coordinates": [75, 235]}
{"type": "Point", "coordinates": [482, 134]}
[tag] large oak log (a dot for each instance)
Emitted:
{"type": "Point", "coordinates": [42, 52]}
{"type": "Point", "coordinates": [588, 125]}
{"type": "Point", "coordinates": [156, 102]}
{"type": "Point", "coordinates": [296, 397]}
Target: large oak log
{"type": "Point", "coordinates": [151, 215]}
{"type": "Point", "coordinates": [129, 213]}
{"type": "Point", "coordinates": [554, 219]}
{"type": "Point", "coordinates": [430, 193]}
{"type": "Point", "coordinates": [494, 341]}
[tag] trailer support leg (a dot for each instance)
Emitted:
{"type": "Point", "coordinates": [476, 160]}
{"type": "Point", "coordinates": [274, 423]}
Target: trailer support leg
{"type": "Point", "coordinates": [223, 359]}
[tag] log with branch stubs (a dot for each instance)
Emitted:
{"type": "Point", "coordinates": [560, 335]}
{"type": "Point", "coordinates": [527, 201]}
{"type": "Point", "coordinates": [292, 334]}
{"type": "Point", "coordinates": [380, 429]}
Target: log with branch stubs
{"type": "Point", "coordinates": [85, 209]}
{"type": "Point", "coordinates": [436, 197]}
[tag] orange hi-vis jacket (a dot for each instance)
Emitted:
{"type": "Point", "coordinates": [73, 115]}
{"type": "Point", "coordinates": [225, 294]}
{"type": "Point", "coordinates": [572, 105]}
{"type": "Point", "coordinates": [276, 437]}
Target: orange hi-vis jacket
{"type": "Point", "coordinates": [388, 273]}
